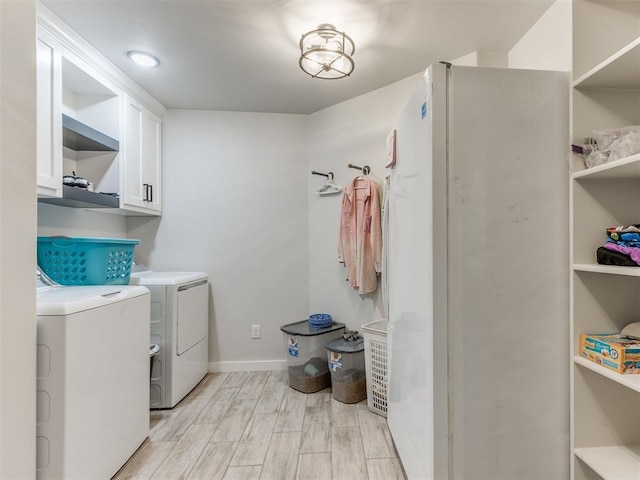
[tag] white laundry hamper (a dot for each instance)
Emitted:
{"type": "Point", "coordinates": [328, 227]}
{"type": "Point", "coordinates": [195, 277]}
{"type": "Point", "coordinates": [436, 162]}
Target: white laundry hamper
{"type": "Point", "coordinates": [375, 348]}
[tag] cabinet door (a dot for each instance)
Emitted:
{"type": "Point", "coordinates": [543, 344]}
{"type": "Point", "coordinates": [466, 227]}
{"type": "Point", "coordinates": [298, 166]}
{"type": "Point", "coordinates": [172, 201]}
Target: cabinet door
{"type": "Point", "coordinates": [142, 156]}
{"type": "Point", "coordinates": [132, 194]}
{"type": "Point", "coordinates": [49, 121]}
{"type": "Point", "coordinates": [152, 160]}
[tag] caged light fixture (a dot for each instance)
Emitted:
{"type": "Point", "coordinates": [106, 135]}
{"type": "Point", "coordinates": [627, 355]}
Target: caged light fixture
{"type": "Point", "coordinates": [326, 53]}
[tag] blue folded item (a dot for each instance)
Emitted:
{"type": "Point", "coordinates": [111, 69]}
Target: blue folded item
{"type": "Point", "coordinates": [320, 320]}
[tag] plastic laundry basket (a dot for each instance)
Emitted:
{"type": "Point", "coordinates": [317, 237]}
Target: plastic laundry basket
{"type": "Point", "coordinates": [85, 260]}
{"type": "Point", "coordinates": [375, 349]}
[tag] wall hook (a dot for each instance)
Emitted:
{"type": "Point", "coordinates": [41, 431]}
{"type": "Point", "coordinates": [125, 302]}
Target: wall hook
{"type": "Point", "coordinates": [365, 170]}
{"type": "Point", "coordinates": [328, 175]}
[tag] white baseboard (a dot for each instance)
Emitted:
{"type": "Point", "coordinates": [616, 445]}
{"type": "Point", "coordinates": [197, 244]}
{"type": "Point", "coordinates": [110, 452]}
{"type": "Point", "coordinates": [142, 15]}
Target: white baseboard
{"type": "Point", "coordinates": [249, 366]}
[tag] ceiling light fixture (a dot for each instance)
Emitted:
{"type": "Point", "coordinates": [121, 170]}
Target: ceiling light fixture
{"type": "Point", "coordinates": [144, 59]}
{"type": "Point", "coordinates": [326, 53]}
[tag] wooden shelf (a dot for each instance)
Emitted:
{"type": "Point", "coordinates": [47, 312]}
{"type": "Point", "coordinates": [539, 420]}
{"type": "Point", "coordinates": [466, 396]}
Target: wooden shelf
{"type": "Point", "coordinates": [620, 71]}
{"type": "Point", "coordinates": [605, 425]}
{"type": "Point", "coordinates": [607, 269]}
{"type": "Point", "coordinates": [631, 381]}
{"type": "Point", "coordinates": [612, 463]}
{"type": "Point", "coordinates": [623, 169]}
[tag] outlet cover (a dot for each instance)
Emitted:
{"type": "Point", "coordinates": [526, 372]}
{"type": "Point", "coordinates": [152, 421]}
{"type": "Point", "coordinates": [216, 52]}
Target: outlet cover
{"type": "Point", "coordinates": [255, 331]}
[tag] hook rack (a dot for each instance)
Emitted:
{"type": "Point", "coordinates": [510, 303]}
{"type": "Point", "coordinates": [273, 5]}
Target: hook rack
{"type": "Point", "coordinates": [328, 175]}
{"type": "Point", "coordinates": [366, 169]}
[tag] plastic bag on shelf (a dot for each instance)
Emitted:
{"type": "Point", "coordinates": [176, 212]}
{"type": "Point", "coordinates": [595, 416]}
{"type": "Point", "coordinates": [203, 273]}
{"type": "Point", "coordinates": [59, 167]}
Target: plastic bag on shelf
{"type": "Point", "coordinates": [614, 144]}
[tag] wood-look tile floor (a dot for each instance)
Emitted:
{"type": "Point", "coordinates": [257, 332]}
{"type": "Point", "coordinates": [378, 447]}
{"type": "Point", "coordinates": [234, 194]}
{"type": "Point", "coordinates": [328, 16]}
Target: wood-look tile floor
{"type": "Point", "coordinates": [251, 425]}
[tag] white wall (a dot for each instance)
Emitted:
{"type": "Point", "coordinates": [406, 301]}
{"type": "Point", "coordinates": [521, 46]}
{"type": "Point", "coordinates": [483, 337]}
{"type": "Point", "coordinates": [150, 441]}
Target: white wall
{"type": "Point", "coordinates": [483, 58]}
{"type": "Point", "coordinates": [17, 239]}
{"type": "Point", "coordinates": [235, 206]}
{"type": "Point", "coordinates": [354, 131]}
{"type": "Point", "coordinates": [547, 45]}
{"type": "Point", "coordinates": [78, 222]}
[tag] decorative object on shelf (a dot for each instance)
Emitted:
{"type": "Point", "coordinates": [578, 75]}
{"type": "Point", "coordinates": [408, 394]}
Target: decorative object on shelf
{"type": "Point", "coordinates": [326, 53]}
{"type": "Point", "coordinates": [75, 181]}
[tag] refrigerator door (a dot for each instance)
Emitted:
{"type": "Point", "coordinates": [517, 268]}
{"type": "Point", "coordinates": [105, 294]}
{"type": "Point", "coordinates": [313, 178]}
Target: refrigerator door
{"type": "Point", "coordinates": [478, 286]}
{"type": "Point", "coordinates": [411, 270]}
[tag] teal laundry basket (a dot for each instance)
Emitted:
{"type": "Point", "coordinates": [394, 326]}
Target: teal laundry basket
{"type": "Point", "coordinates": [86, 260]}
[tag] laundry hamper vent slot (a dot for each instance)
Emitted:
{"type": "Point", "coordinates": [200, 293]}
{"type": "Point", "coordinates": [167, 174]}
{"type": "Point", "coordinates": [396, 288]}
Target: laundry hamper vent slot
{"type": "Point", "coordinates": [375, 346]}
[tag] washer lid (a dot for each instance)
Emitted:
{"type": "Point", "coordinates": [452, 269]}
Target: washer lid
{"type": "Point", "coordinates": [66, 300]}
{"type": "Point", "coordinates": [165, 278]}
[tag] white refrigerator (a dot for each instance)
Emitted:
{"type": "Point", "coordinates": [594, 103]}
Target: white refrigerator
{"type": "Point", "coordinates": [478, 289]}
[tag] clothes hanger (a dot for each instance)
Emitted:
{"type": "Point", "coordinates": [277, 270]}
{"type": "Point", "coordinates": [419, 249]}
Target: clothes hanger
{"type": "Point", "coordinates": [329, 187]}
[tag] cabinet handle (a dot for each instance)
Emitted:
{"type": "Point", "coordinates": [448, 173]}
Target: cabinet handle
{"type": "Point", "coordinates": [148, 192]}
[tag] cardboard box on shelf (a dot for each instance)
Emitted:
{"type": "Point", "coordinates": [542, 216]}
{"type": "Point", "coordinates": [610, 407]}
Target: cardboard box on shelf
{"type": "Point", "coordinates": [620, 354]}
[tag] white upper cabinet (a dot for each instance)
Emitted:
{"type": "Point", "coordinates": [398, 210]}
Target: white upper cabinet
{"type": "Point", "coordinates": [49, 120]}
{"type": "Point", "coordinates": [97, 123]}
{"type": "Point", "coordinates": [142, 187]}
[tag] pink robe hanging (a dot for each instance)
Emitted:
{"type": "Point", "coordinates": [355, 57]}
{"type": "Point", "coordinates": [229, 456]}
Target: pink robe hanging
{"type": "Point", "coordinates": [360, 241]}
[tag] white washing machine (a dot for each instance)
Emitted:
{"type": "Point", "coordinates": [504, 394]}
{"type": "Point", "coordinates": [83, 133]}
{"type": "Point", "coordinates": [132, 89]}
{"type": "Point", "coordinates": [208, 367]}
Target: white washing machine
{"type": "Point", "coordinates": [93, 379]}
{"type": "Point", "coordinates": [180, 326]}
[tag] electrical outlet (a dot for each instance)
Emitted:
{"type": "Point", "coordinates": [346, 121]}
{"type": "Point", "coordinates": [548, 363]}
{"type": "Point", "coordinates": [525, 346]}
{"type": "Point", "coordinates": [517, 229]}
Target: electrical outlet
{"type": "Point", "coordinates": [255, 331]}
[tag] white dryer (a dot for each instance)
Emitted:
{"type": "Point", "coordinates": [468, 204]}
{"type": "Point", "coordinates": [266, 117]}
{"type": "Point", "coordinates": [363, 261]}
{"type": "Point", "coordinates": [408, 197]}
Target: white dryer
{"type": "Point", "coordinates": [180, 326]}
{"type": "Point", "coordinates": [92, 379]}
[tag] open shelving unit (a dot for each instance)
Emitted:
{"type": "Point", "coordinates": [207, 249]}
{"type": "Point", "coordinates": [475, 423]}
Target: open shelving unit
{"type": "Point", "coordinates": [612, 463]}
{"type": "Point", "coordinates": [94, 122]}
{"type": "Point", "coordinates": [605, 405]}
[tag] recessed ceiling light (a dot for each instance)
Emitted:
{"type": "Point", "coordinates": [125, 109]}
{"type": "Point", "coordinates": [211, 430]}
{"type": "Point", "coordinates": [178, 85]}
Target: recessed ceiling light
{"type": "Point", "coordinates": [144, 59]}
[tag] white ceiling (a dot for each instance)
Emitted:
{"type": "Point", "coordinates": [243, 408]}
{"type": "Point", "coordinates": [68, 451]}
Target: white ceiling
{"type": "Point", "coordinates": [243, 55]}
